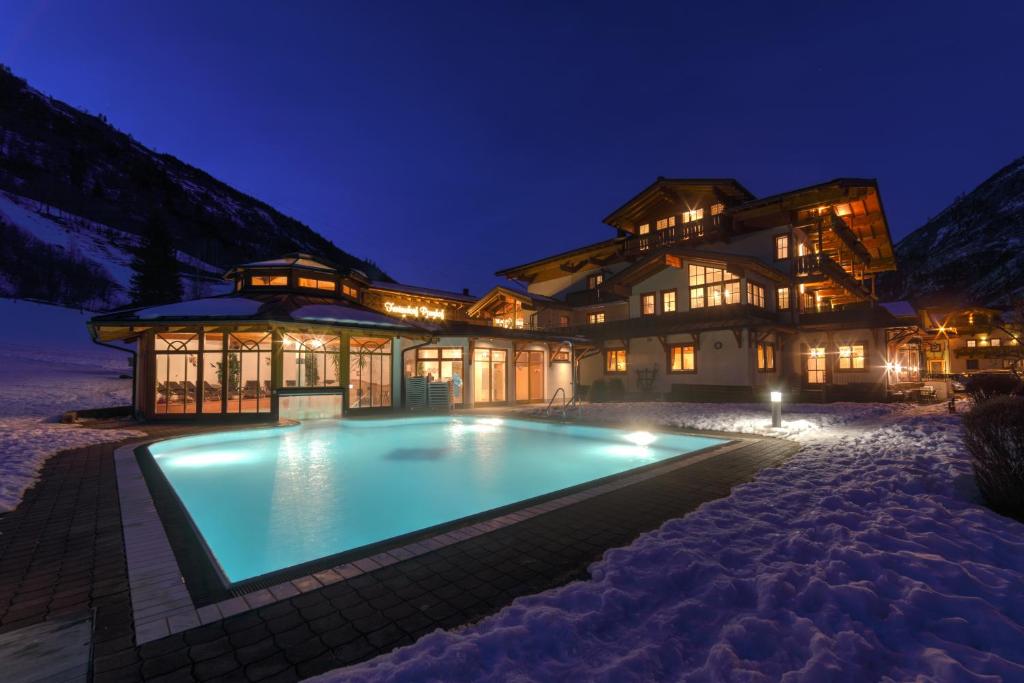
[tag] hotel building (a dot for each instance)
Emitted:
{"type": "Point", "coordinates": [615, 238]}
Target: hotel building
{"type": "Point", "coordinates": [701, 291]}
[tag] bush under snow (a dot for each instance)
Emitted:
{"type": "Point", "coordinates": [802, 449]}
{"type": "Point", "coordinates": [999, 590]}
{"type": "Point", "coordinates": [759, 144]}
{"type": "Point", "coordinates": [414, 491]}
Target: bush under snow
{"type": "Point", "coordinates": [865, 557]}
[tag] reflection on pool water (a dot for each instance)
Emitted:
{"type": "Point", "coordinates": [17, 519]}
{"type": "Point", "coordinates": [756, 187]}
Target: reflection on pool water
{"type": "Point", "coordinates": [268, 499]}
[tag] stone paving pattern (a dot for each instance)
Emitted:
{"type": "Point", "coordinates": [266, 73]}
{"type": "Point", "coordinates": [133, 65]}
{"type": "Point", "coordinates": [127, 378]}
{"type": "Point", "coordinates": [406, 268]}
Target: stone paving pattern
{"type": "Point", "coordinates": [62, 554]}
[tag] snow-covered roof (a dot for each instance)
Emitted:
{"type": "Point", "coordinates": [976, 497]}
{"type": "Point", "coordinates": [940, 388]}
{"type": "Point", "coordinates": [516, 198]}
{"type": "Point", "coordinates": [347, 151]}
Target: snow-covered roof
{"type": "Point", "coordinates": [339, 313]}
{"type": "Point", "coordinates": [214, 307]}
{"type": "Point", "coordinates": [296, 260]}
{"type": "Point", "coordinates": [900, 308]}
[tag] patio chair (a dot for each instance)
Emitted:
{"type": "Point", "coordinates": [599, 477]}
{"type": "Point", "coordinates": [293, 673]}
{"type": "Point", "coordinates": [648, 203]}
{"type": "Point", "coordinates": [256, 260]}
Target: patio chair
{"type": "Point", "coordinates": [211, 392]}
{"type": "Point", "coordinates": [252, 389]}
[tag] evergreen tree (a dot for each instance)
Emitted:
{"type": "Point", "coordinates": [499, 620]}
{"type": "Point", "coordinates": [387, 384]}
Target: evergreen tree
{"type": "Point", "coordinates": [155, 275]}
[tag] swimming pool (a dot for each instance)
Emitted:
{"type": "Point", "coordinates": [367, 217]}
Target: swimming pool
{"type": "Point", "coordinates": [264, 500]}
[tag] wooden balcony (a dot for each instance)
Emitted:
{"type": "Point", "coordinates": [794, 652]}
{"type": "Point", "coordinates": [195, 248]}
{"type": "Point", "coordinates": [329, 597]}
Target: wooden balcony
{"type": "Point", "coordinates": [601, 294]}
{"type": "Point", "coordinates": [707, 229]}
{"type": "Point", "coordinates": [713, 317]}
{"type": "Point", "coordinates": [813, 269]}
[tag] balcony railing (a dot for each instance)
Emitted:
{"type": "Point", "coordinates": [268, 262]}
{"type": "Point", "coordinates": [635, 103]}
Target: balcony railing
{"type": "Point", "coordinates": [810, 266]}
{"type": "Point", "coordinates": [667, 323]}
{"type": "Point", "coordinates": [702, 230]}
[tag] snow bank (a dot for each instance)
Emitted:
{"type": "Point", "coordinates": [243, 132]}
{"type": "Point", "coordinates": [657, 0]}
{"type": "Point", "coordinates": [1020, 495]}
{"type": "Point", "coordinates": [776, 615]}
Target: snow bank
{"type": "Point", "coordinates": [865, 557]}
{"type": "Point", "coordinates": [48, 366]}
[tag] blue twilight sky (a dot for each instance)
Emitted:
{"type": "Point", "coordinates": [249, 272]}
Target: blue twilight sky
{"type": "Point", "coordinates": [446, 140]}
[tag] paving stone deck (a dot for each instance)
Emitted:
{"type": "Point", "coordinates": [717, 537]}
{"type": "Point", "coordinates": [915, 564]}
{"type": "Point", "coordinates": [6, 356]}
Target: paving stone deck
{"type": "Point", "coordinates": [62, 550]}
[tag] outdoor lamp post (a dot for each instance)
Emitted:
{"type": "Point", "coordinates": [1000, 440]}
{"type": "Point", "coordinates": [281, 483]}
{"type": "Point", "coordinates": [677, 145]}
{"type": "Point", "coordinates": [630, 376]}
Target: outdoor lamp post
{"type": "Point", "coordinates": [776, 409]}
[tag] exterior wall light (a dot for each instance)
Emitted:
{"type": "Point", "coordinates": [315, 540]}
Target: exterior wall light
{"type": "Point", "coordinates": [776, 397]}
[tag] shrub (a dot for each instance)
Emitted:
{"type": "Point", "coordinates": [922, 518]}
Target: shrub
{"type": "Point", "coordinates": [986, 385]}
{"type": "Point", "coordinates": [616, 389]}
{"type": "Point", "coordinates": [598, 391]}
{"type": "Point", "coordinates": [995, 438]}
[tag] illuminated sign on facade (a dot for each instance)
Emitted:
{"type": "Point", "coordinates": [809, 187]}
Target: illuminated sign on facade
{"type": "Point", "coordinates": [405, 310]}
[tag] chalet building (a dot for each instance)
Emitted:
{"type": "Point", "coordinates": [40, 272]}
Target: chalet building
{"type": "Point", "coordinates": [701, 291]}
{"type": "Point", "coordinates": [964, 340]}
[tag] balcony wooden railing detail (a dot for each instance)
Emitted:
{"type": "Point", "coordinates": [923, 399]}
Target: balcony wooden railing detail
{"type": "Point", "coordinates": [703, 229]}
{"type": "Point", "coordinates": [810, 266]}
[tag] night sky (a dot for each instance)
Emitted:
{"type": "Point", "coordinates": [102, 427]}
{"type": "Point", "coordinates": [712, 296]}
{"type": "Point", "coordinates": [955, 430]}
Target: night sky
{"type": "Point", "coordinates": [448, 140]}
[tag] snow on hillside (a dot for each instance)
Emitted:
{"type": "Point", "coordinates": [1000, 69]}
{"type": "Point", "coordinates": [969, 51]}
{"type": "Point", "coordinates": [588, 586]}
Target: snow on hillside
{"type": "Point", "coordinates": [48, 366]}
{"type": "Point", "coordinates": [103, 245]}
{"type": "Point", "coordinates": [865, 557]}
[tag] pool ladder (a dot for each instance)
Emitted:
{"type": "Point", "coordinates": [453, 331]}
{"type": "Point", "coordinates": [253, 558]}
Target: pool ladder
{"type": "Point", "coordinates": [566, 406]}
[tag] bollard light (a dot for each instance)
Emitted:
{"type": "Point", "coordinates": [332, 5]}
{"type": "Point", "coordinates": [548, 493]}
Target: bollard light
{"type": "Point", "coordinates": [776, 397]}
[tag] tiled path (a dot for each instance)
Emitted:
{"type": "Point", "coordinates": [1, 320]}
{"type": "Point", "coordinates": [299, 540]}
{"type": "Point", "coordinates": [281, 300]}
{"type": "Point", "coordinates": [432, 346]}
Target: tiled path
{"type": "Point", "coordinates": [62, 554]}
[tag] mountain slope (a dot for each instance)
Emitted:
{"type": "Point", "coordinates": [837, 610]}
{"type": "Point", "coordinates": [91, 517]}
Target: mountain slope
{"type": "Point", "coordinates": [83, 170]}
{"type": "Point", "coordinates": [972, 252]}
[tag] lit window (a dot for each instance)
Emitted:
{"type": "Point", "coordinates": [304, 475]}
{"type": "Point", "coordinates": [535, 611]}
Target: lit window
{"type": "Point", "coordinates": [994, 342]}
{"type": "Point", "coordinates": [755, 294]}
{"type": "Point", "coordinates": [695, 215]}
{"type": "Point", "coordinates": [350, 291]}
{"type": "Point", "coordinates": [713, 287]}
{"type": "Point", "coordinates": [782, 298]}
{"type": "Point", "coordinates": [594, 281]}
{"type": "Point", "coordinates": [682, 358]}
{"type": "Point", "coordinates": [971, 343]}
{"type": "Point", "coordinates": [766, 357]}
{"type": "Point", "coordinates": [595, 318]}
{"type": "Point", "coordinates": [563, 321]}
{"type": "Point", "coordinates": [668, 301]}
{"type": "Point", "coordinates": [313, 283]}
{"type": "Point", "coordinates": [801, 249]}
{"type": "Point", "coordinates": [615, 360]}
{"type": "Point", "coordinates": [816, 365]}
{"type": "Point", "coordinates": [851, 357]}
{"type": "Point", "coordinates": [717, 209]}
{"type": "Point", "coordinates": [647, 304]}
{"type": "Point", "coordinates": [269, 281]}
{"type": "Point", "coordinates": [644, 229]}
{"type": "Point", "coordinates": [666, 223]}
{"type": "Point", "coordinates": [781, 247]}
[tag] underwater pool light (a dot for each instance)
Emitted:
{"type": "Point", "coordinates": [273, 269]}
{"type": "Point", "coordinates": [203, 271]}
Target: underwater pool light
{"type": "Point", "coordinates": [641, 438]}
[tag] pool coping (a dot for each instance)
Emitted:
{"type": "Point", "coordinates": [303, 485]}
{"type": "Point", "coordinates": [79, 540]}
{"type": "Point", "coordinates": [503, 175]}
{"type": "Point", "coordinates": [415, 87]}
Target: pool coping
{"type": "Point", "coordinates": [162, 604]}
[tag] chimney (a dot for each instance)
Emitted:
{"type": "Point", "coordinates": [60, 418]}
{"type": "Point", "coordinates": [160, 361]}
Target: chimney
{"type": "Point", "coordinates": [465, 291]}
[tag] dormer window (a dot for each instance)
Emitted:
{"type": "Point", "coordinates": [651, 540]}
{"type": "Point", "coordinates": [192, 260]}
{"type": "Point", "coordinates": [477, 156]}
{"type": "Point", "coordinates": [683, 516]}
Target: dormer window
{"type": "Point", "coordinates": [594, 281]}
{"type": "Point", "coordinates": [269, 281]}
{"type": "Point", "coordinates": [350, 291]}
{"type": "Point", "coordinates": [694, 215]}
{"type": "Point", "coordinates": [314, 283]}
{"type": "Point", "coordinates": [717, 209]}
{"type": "Point", "coordinates": [669, 222]}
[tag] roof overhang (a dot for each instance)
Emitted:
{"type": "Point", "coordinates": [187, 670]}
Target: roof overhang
{"type": "Point", "coordinates": [675, 191]}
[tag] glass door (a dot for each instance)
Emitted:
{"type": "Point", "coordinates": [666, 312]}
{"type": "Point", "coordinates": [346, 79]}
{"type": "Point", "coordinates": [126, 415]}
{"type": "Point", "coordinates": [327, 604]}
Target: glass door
{"type": "Point", "coordinates": [489, 376]}
{"type": "Point", "coordinates": [442, 365]}
{"type": "Point", "coordinates": [529, 376]}
{"type": "Point", "coordinates": [816, 365]}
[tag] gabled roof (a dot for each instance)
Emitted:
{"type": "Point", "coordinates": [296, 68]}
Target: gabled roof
{"type": "Point", "coordinates": [597, 250]}
{"type": "Point", "coordinates": [669, 189]}
{"type": "Point", "coordinates": [523, 297]}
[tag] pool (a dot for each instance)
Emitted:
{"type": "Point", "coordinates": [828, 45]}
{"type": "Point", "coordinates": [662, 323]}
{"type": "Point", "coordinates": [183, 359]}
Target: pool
{"type": "Point", "coordinates": [268, 499]}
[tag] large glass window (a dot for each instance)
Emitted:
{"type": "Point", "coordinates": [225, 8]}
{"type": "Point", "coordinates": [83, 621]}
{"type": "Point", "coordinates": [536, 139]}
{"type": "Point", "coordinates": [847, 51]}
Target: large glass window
{"type": "Point", "coordinates": [213, 373]}
{"type": "Point", "coordinates": [781, 247]}
{"type": "Point", "coordinates": [489, 375]}
{"type": "Point", "coordinates": [248, 372]}
{"type": "Point", "coordinates": [311, 360]}
{"type": "Point", "coordinates": [442, 365]}
{"type": "Point", "coordinates": [713, 287]}
{"type": "Point", "coordinates": [369, 372]}
{"type": "Point", "coordinates": [177, 361]}
{"type": "Point", "coordinates": [766, 357]}
{"type": "Point", "coordinates": [782, 298]}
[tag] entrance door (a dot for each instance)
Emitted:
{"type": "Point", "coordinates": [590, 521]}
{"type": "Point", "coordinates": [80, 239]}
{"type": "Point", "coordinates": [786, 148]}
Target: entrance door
{"type": "Point", "coordinates": [529, 376]}
{"type": "Point", "coordinates": [488, 376]}
{"type": "Point", "coordinates": [816, 365]}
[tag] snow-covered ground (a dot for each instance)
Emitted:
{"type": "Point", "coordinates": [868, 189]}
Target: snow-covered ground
{"type": "Point", "coordinates": [865, 557]}
{"type": "Point", "coordinates": [48, 366]}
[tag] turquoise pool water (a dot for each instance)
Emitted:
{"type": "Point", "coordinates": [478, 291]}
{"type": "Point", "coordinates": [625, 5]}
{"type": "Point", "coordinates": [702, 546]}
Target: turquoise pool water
{"type": "Point", "coordinates": [268, 499]}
